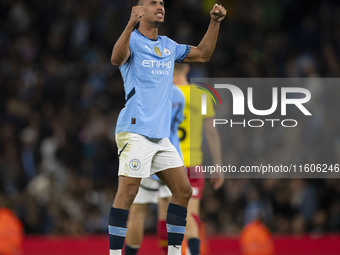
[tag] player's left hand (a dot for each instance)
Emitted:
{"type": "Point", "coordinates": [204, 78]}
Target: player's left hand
{"type": "Point", "coordinates": [218, 13]}
{"type": "Point", "coordinates": [217, 182]}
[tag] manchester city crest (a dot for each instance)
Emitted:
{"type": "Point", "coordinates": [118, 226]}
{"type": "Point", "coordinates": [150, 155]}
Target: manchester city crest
{"type": "Point", "coordinates": [167, 51]}
{"type": "Point", "coordinates": [134, 164]}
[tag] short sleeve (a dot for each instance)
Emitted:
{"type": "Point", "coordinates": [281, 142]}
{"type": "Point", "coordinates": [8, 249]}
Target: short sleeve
{"type": "Point", "coordinates": [132, 45]}
{"type": "Point", "coordinates": [133, 42]}
{"type": "Point", "coordinates": [182, 52]}
{"type": "Point", "coordinates": [131, 49]}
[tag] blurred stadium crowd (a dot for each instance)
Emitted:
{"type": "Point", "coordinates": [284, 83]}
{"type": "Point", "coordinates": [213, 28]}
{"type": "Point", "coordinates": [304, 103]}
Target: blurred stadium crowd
{"type": "Point", "coordinates": [60, 97]}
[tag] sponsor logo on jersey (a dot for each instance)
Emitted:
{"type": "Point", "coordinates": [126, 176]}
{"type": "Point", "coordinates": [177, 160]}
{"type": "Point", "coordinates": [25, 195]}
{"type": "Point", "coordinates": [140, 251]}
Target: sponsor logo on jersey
{"type": "Point", "coordinates": [158, 52]}
{"type": "Point", "coordinates": [158, 64]}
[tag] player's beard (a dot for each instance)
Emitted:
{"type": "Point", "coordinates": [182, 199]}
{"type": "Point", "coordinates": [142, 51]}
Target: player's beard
{"type": "Point", "coordinates": [158, 23]}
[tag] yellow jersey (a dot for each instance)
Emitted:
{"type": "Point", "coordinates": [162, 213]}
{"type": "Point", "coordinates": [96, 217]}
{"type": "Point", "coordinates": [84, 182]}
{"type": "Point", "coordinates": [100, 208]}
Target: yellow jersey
{"type": "Point", "coordinates": [190, 130]}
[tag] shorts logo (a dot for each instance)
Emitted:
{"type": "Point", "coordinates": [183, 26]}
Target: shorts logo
{"type": "Point", "coordinates": [158, 52]}
{"type": "Point", "coordinates": [167, 51]}
{"type": "Point", "coordinates": [134, 164]}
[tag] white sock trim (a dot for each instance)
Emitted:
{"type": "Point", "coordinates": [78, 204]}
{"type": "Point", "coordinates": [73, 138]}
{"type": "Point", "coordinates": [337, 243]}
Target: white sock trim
{"type": "Point", "coordinates": [134, 246]}
{"type": "Point", "coordinates": [116, 252]}
{"type": "Point", "coordinates": [174, 250]}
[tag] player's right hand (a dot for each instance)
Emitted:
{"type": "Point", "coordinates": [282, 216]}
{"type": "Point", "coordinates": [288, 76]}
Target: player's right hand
{"type": "Point", "coordinates": [218, 13]}
{"type": "Point", "coordinates": [137, 13]}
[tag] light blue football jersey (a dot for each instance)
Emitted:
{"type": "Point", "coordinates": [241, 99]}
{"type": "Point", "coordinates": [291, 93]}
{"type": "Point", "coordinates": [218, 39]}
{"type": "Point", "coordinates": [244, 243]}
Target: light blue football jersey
{"type": "Point", "coordinates": [147, 77]}
{"type": "Point", "coordinates": [177, 116]}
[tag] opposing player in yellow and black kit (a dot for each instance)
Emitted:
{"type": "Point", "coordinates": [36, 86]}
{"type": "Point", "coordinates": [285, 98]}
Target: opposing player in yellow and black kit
{"type": "Point", "coordinates": [190, 133]}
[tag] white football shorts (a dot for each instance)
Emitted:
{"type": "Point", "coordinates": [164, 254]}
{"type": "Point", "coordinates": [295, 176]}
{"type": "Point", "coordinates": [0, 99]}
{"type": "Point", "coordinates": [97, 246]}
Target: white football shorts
{"type": "Point", "coordinates": [150, 190]}
{"type": "Point", "coordinates": [141, 157]}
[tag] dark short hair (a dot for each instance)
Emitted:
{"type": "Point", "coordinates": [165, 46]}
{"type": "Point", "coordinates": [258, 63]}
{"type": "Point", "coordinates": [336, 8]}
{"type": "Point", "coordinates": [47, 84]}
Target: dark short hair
{"type": "Point", "coordinates": [136, 2]}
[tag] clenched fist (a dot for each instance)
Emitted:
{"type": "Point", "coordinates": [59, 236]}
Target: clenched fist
{"type": "Point", "coordinates": [218, 13]}
{"type": "Point", "coordinates": [136, 14]}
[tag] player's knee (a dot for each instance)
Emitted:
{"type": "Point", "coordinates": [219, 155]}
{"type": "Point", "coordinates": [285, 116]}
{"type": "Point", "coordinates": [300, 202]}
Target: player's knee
{"type": "Point", "coordinates": [128, 193]}
{"type": "Point", "coordinates": [131, 194]}
{"type": "Point", "coordinates": [183, 194]}
{"type": "Point", "coordinates": [187, 192]}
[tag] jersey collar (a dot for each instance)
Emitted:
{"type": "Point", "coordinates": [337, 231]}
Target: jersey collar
{"type": "Point", "coordinates": [139, 33]}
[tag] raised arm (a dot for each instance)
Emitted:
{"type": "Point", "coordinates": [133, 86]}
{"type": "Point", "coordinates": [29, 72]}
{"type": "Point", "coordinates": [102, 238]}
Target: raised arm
{"type": "Point", "coordinates": [205, 49]}
{"type": "Point", "coordinates": [121, 51]}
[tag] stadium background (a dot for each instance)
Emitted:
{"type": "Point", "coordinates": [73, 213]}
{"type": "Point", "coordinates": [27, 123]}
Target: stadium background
{"type": "Point", "coordinates": [60, 97]}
